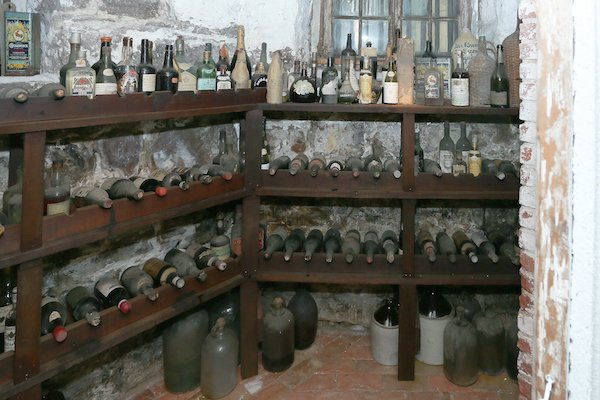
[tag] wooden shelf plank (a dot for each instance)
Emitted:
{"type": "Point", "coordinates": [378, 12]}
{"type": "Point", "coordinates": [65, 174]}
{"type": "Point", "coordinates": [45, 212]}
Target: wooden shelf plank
{"type": "Point", "coordinates": [463, 272]}
{"type": "Point", "coordinates": [76, 112]}
{"type": "Point", "coordinates": [85, 341]}
{"type": "Point", "coordinates": [89, 224]}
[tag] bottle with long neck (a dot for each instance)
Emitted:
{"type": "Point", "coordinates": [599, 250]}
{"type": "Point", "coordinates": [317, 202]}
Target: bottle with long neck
{"type": "Point", "coordinates": [371, 246]}
{"type": "Point", "coordinates": [460, 84]}
{"type": "Point", "coordinates": [299, 163]}
{"type": "Point", "coordinates": [126, 72]}
{"type": "Point", "coordinates": [499, 81]}
{"type": "Point", "coordinates": [313, 243]}
{"type": "Point", "coordinates": [474, 160]}
{"type": "Point", "coordinates": [485, 246]}
{"type": "Point", "coordinates": [138, 282]}
{"type": "Point", "coordinates": [389, 244]}
{"type": "Point", "coordinates": [205, 257]}
{"type": "Point", "coordinates": [163, 273]}
{"type": "Point", "coordinates": [54, 318]}
{"type": "Point", "coordinates": [105, 41]}
{"type": "Point", "coordinates": [293, 243]}
{"type": "Point", "coordinates": [111, 293]}
{"type": "Point", "coordinates": [75, 43]}
{"type": "Point", "coordinates": [85, 195]}
{"type": "Point", "coordinates": [351, 245]}
{"type": "Point", "coordinates": [167, 78]}
{"type": "Point", "coordinates": [390, 85]}
{"type": "Point", "coordinates": [118, 188]}
{"type": "Point", "coordinates": [263, 57]}
{"type": "Point", "coordinates": [330, 82]}
{"type": "Point", "coordinates": [348, 61]}
{"type": "Point", "coordinates": [106, 82]}
{"type": "Point", "coordinates": [275, 241]}
{"type": "Point", "coordinates": [447, 150]}
{"type": "Point", "coordinates": [239, 48]}
{"type": "Point", "coordinates": [240, 75]}
{"type": "Point", "coordinates": [10, 323]}
{"type": "Point", "coordinates": [426, 244]}
{"type": "Point", "coordinates": [185, 264]}
{"type": "Point", "coordinates": [446, 246]}
{"type": "Point", "coordinates": [465, 245]}
{"type": "Point", "coordinates": [463, 144]}
{"type": "Point", "coordinates": [83, 305]}
{"type": "Point", "coordinates": [332, 243]}
{"type": "Point", "coordinates": [146, 71]}
{"type": "Point", "coordinates": [207, 73]}
{"type": "Point", "coordinates": [419, 159]}
{"type": "Point", "coordinates": [187, 70]}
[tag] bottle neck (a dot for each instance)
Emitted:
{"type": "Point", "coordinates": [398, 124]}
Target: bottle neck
{"type": "Point", "coordinates": [349, 41]}
{"type": "Point", "coordinates": [168, 62]}
{"type": "Point", "coordinates": [75, 48]}
{"type": "Point", "coordinates": [263, 54]}
{"type": "Point", "coordinates": [330, 61]}
{"type": "Point", "coordinates": [500, 57]}
{"type": "Point", "coordinates": [106, 56]}
{"type": "Point", "coordinates": [240, 39]}
{"type": "Point", "coordinates": [146, 55]}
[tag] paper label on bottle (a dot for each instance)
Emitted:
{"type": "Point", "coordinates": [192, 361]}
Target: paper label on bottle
{"type": "Point", "coordinates": [458, 169]}
{"type": "Point", "coordinates": [62, 207]}
{"type": "Point", "coordinates": [330, 88]}
{"type": "Point", "coordinates": [187, 82]}
{"type": "Point", "coordinates": [460, 92]}
{"type": "Point", "coordinates": [105, 88]}
{"type": "Point", "coordinates": [105, 286]}
{"type": "Point", "coordinates": [10, 334]}
{"type": "Point", "coordinates": [390, 92]}
{"type": "Point", "coordinates": [128, 83]}
{"type": "Point", "coordinates": [365, 89]}
{"type": "Point", "coordinates": [81, 191]}
{"type": "Point", "coordinates": [432, 89]}
{"type": "Point", "coordinates": [148, 82]}
{"type": "Point", "coordinates": [54, 315]}
{"type": "Point", "coordinates": [207, 84]}
{"type": "Point", "coordinates": [499, 98]}
{"type": "Point", "coordinates": [475, 164]}
{"type": "Point", "coordinates": [108, 72]}
{"type": "Point", "coordinates": [446, 159]}
{"type": "Point", "coordinates": [4, 311]}
{"type": "Point", "coordinates": [18, 49]}
{"type": "Point", "coordinates": [223, 84]}
{"type": "Point", "coordinates": [158, 174]}
{"type": "Point", "coordinates": [222, 252]}
{"type": "Point", "coordinates": [81, 84]}
{"type": "Point", "coordinates": [264, 166]}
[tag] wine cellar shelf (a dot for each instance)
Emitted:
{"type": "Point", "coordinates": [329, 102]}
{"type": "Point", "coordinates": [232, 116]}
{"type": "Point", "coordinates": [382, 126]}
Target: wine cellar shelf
{"type": "Point", "coordinates": [24, 245]}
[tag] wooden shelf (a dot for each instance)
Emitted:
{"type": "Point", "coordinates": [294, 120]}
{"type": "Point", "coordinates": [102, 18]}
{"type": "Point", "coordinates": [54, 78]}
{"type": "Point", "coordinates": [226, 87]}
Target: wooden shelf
{"type": "Point", "coordinates": [85, 341]}
{"type": "Point", "coordinates": [92, 223]}
{"type": "Point", "coordinates": [464, 272]}
{"type": "Point", "coordinates": [467, 187]}
{"type": "Point", "coordinates": [42, 114]}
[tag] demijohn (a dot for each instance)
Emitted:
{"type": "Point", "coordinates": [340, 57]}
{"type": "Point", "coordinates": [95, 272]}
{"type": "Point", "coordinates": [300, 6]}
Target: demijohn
{"type": "Point", "coordinates": [306, 316]}
{"type": "Point", "coordinates": [278, 337]}
{"type": "Point", "coordinates": [218, 361]}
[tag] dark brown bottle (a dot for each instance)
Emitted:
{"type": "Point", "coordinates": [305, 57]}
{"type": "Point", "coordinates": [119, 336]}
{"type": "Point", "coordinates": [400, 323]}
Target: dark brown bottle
{"type": "Point", "coordinates": [465, 245]}
{"type": "Point", "coordinates": [332, 244]}
{"type": "Point", "coordinates": [146, 71]}
{"type": "Point", "coordinates": [105, 41]}
{"type": "Point", "coordinates": [373, 165]}
{"type": "Point", "coordinates": [185, 264]}
{"type": "Point", "coordinates": [118, 188]}
{"type": "Point", "coordinates": [138, 282]}
{"type": "Point", "coordinates": [293, 243]}
{"type": "Point", "coordinates": [54, 318]}
{"type": "Point", "coordinates": [313, 243]}
{"type": "Point", "coordinates": [167, 79]}
{"type": "Point", "coordinates": [169, 179]}
{"type": "Point", "coordinates": [111, 293]}
{"type": "Point", "coordinates": [84, 305]}
{"type": "Point", "coordinates": [371, 246]}
{"type": "Point", "coordinates": [306, 317]}
{"type": "Point", "coordinates": [299, 163]}
{"type": "Point", "coordinates": [334, 167]}
{"type": "Point", "coordinates": [315, 165]}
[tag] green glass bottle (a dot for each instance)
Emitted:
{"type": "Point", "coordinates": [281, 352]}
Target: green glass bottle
{"type": "Point", "coordinates": [207, 74]}
{"type": "Point", "coordinates": [499, 81]}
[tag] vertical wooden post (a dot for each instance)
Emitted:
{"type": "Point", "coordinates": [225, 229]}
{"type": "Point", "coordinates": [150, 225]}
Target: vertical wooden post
{"type": "Point", "coordinates": [408, 152]}
{"type": "Point", "coordinates": [407, 332]}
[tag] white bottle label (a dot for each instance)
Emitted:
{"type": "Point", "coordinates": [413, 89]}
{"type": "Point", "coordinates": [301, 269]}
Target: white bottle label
{"type": "Point", "coordinates": [390, 92]}
{"type": "Point", "coordinates": [81, 191]}
{"type": "Point", "coordinates": [499, 98]}
{"type": "Point", "coordinates": [446, 159]}
{"type": "Point", "coordinates": [10, 334]}
{"type": "Point", "coordinates": [81, 85]}
{"type": "Point", "coordinates": [224, 84]}
{"type": "Point", "coordinates": [105, 88]}
{"type": "Point", "coordinates": [54, 315]}
{"type": "Point", "coordinates": [4, 311]}
{"type": "Point", "coordinates": [149, 83]}
{"type": "Point", "coordinates": [207, 84]}
{"type": "Point", "coordinates": [460, 92]}
{"type": "Point", "coordinates": [105, 286]}
{"type": "Point", "coordinates": [59, 208]}
{"type": "Point", "coordinates": [187, 82]}
{"type": "Point", "coordinates": [158, 174]}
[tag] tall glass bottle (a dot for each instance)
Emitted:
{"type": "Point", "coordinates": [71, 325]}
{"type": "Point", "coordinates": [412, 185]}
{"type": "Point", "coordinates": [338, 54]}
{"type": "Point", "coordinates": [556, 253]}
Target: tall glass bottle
{"type": "Point", "coordinates": [348, 60]}
{"type": "Point", "coordinates": [167, 79]}
{"type": "Point", "coordinates": [182, 349]}
{"type": "Point", "coordinates": [490, 342]}
{"type": "Point", "coordinates": [390, 85]}
{"type": "Point", "coordinates": [278, 337]}
{"type": "Point", "coordinates": [306, 317]}
{"type": "Point", "coordinates": [146, 71]}
{"type": "Point", "coordinates": [240, 46]}
{"type": "Point", "coordinates": [188, 72]}
{"type": "Point", "coordinates": [223, 56]}
{"type": "Point", "coordinates": [460, 351]}
{"type": "Point", "coordinates": [481, 68]}
{"type": "Point", "coordinates": [447, 150]}
{"type": "Point", "coordinates": [126, 72]}
{"type": "Point", "coordinates": [276, 82]}
{"type": "Point", "coordinates": [460, 84]}
{"type": "Point", "coordinates": [474, 161]}
{"type": "Point", "coordinates": [463, 144]}
{"type": "Point", "coordinates": [365, 83]}
{"type": "Point", "coordinates": [240, 75]}
{"type": "Point", "coordinates": [57, 191]}
{"type": "Point", "coordinates": [75, 43]}
{"type": "Point", "coordinates": [218, 361]}
{"type": "Point", "coordinates": [263, 57]}
{"type": "Point", "coordinates": [105, 41]}
{"type": "Point", "coordinates": [207, 74]}
{"type": "Point", "coordinates": [499, 81]}
{"type": "Point", "coordinates": [106, 82]}
{"type": "Point", "coordinates": [419, 154]}
{"type": "Point", "coordinates": [81, 79]}
{"type": "Point", "coordinates": [329, 82]}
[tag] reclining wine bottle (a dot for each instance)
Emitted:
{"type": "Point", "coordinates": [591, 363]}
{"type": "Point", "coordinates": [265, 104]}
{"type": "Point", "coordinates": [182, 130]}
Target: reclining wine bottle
{"type": "Point", "coordinates": [332, 244]}
{"type": "Point", "coordinates": [313, 243]}
{"type": "Point", "coordinates": [138, 282]}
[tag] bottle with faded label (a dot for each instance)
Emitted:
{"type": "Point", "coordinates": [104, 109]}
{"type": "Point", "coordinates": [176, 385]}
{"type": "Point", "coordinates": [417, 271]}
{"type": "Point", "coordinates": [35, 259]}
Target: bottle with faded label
{"type": "Point", "coordinates": [460, 84]}
{"type": "Point", "coordinates": [126, 72]}
{"type": "Point", "coordinates": [146, 71]}
{"type": "Point", "coordinates": [111, 293]}
{"type": "Point", "coordinates": [54, 318]}
{"type": "Point", "coordinates": [446, 150]}
{"type": "Point", "coordinates": [474, 161]}
{"type": "Point", "coordinates": [138, 282]}
{"type": "Point", "coordinates": [106, 82]}
{"type": "Point", "coordinates": [80, 80]}
{"type": "Point", "coordinates": [86, 195]}
{"type": "Point", "coordinates": [188, 72]}
{"type": "Point", "coordinates": [57, 199]}
{"type": "Point", "coordinates": [163, 273]}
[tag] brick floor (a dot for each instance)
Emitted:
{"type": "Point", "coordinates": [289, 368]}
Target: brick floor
{"type": "Point", "coordinates": [339, 366]}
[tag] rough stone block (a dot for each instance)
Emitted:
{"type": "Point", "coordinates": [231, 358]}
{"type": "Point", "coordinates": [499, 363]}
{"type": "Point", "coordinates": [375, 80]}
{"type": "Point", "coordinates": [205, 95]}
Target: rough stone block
{"type": "Point", "coordinates": [528, 29]}
{"type": "Point", "coordinates": [528, 132]}
{"type": "Point", "coordinates": [528, 175]}
{"type": "Point", "coordinates": [527, 238]}
{"type": "Point", "coordinates": [528, 154]}
{"type": "Point", "coordinates": [527, 196]}
{"type": "Point", "coordinates": [527, 9]}
{"type": "Point", "coordinates": [528, 110]}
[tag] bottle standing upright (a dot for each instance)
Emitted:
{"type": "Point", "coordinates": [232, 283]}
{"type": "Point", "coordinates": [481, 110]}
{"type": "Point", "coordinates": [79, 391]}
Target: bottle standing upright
{"type": "Point", "coordinates": [278, 337]}
{"type": "Point", "coordinates": [146, 71]}
{"type": "Point", "coordinates": [126, 71]}
{"type": "Point", "coordinates": [167, 79]}
{"type": "Point", "coordinates": [187, 70]}
{"type": "Point", "coordinates": [105, 41]}
{"type": "Point", "coordinates": [57, 192]}
{"type": "Point", "coordinates": [447, 150]}
{"type": "Point", "coordinates": [460, 351]}
{"type": "Point", "coordinates": [106, 82]}
{"type": "Point", "coordinates": [306, 316]}
{"type": "Point", "coordinates": [460, 84]}
{"type": "Point", "coordinates": [499, 81]}
{"type": "Point", "coordinates": [219, 360]}
{"type": "Point", "coordinates": [80, 79]}
{"type": "Point", "coordinates": [207, 73]}
{"type": "Point", "coordinates": [75, 43]}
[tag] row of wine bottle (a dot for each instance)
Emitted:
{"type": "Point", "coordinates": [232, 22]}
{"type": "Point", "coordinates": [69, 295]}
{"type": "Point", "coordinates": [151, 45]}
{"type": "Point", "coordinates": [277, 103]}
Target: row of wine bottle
{"type": "Point", "coordinates": [112, 292]}
{"type": "Point", "coordinates": [389, 243]}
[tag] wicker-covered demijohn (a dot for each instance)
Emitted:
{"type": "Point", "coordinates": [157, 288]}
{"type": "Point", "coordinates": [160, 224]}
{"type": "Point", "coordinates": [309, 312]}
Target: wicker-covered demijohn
{"type": "Point", "coordinates": [512, 62]}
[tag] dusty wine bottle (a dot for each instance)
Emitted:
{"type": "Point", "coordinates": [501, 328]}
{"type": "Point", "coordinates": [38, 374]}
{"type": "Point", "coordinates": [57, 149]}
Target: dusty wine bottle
{"type": "Point", "coordinates": [57, 198]}
{"type": "Point", "coordinates": [192, 174]}
{"type": "Point", "coordinates": [355, 165]}
{"type": "Point", "coordinates": [485, 246]}
{"type": "Point", "coordinates": [389, 243]}
{"type": "Point", "coordinates": [371, 246]}
{"type": "Point", "coordinates": [163, 273]}
{"type": "Point", "coordinates": [86, 195]}
{"type": "Point", "coordinates": [146, 71]}
{"type": "Point", "coordinates": [118, 188]}
{"type": "Point", "coordinates": [185, 264]}
{"type": "Point", "coordinates": [293, 243]}
{"type": "Point", "coordinates": [373, 165]}
{"type": "Point", "coordinates": [205, 257]}
{"type": "Point", "coordinates": [281, 162]}
{"type": "Point", "coordinates": [489, 167]}
{"type": "Point", "coordinates": [426, 244]}
{"type": "Point", "coordinates": [275, 241]}
{"type": "Point", "coordinates": [432, 167]}
{"type": "Point", "coordinates": [111, 293]}
{"type": "Point", "coordinates": [83, 305]}
{"type": "Point", "coordinates": [446, 246]}
{"type": "Point", "coordinates": [138, 282]}
{"type": "Point", "coordinates": [53, 90]}
{"type": "Point", "coordinates": [392, 165]}
{"type": "Point", "coordinates": [149, 185]}
{"type": "Point", "coordinates": [465, 245]}
{"type": "Point", "coordinates": [10, 323]}
{"type": "Point", "coordinates": [167, 79]}
{"type": "Point", "coordinates": [216, 170]}
{"type": "Point", "coordinates": [313, 243]}
{"type": "Point", "coordinates": [168, 179]}
{"type": "Point", "coordinates": [334, 167]}
{"type": "Point", "coordinates": [54, 318]}
{"type": "Point", "coordinates": [351, 245]}
{"type": "Point", "coordinates": [315, 165]}
{"type": "Point", "coordinates": [332, 243]}
{"type": "Point", "coordinates": [299, 163]}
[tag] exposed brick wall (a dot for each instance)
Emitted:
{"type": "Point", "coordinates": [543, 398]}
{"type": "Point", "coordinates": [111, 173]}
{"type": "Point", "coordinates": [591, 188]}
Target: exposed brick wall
{"type": "Point", "coordinates": [527, 197]}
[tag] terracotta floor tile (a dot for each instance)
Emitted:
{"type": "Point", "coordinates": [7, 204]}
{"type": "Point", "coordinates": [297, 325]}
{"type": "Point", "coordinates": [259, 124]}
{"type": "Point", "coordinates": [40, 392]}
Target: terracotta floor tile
{"type": "Point", "coordinates": [426, 369]}
{"type": "Point", "coordinates": [300, 372]}
{"type": "Point", "coordinates": [275, 390]}
{"type": "Point", "coordinates": [441, 384]}
{"type": "Point", "coordinates": [355, 352]}
{"type": "Point", "coordinates": [318, 382]}
{"type": "Point", "coordinates": [360, 381]}
{"type": "Point", "coordinates": [428, 396]}
{"type": "Point", "coordinates": [259, 382]}
{"type": "Point", "coordinates": [501, 382]}
{"type": "Point", "coordinates": [373, 367]}
{"type": "Point", "coordinates": [379, 395]}
{"type": "Point", "coordinates": [335, 395]}
{"type": "Point", "coordinates": [337, 365]}
{"type": "Point", "coordinates": [391, 382]}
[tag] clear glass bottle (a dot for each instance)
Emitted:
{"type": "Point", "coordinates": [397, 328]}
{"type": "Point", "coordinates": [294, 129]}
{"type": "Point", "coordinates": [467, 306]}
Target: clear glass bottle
{"type": "Point", "coordinates": [347, 94]}
{"type": "Point", "coordinates": [433, 86]}
{"type": "Point", "coordinates": [474, 161]}
{"type": "Point", "coordinates": [499, 81]}
{"type": "Point", "coordinates": [490, 342]}
{"type": "Point", "coordinates": [329, 82]}
{"type": "Point", "coordinates": [106, 82]}
{"type": "Point", "coordinates": [75, 43]}
{"type": "Point", "coordinates": [365, 83]}
{"type": "Point", "coordinates": [57, 191]}
{"type": "Point", "coordinates": [460, 351]}
{"type": "Point", "coordinates": [126, 71]}
{"type": "Point", "coordinates": [481, 68]}
{"type": "Point", "coordinates": [446, 150]}
{"type": "Point", "coordinates": [182, 351]}
{"type": "Point", "coordinates": [188, 72]}
{"type": "Point", "coordinates": [167, 78]}
{"type": "Point", "coordinates": [146, 71]}
{"type": "Point", "coordinates": [303, 90]}
{"type": "Point", "coordinates": [219, 360]}
{"type": "Point", "coordinates": [278, 337]}
{"type": "Point", "coordinates": [459, 84]}
{"type": "Point", "coordinates": [207, 74]}
{"type": "Point", "coordinates": [390, 85]}
{"type": "Point", "coordinates": [81, 79]}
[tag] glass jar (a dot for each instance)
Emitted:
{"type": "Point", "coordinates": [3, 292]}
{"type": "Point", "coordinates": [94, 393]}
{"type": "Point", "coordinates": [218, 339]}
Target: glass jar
{"type": "Point", "coordinates": [490, 342]}
{"type": "Point", "coordinates": [306, 316]}
{"type": "Point", "coordinates": [460, 350]}
{"type": "Point", "coordinates": [278, 337]}
{"type": "Point", "coordinates": [219, 361]}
